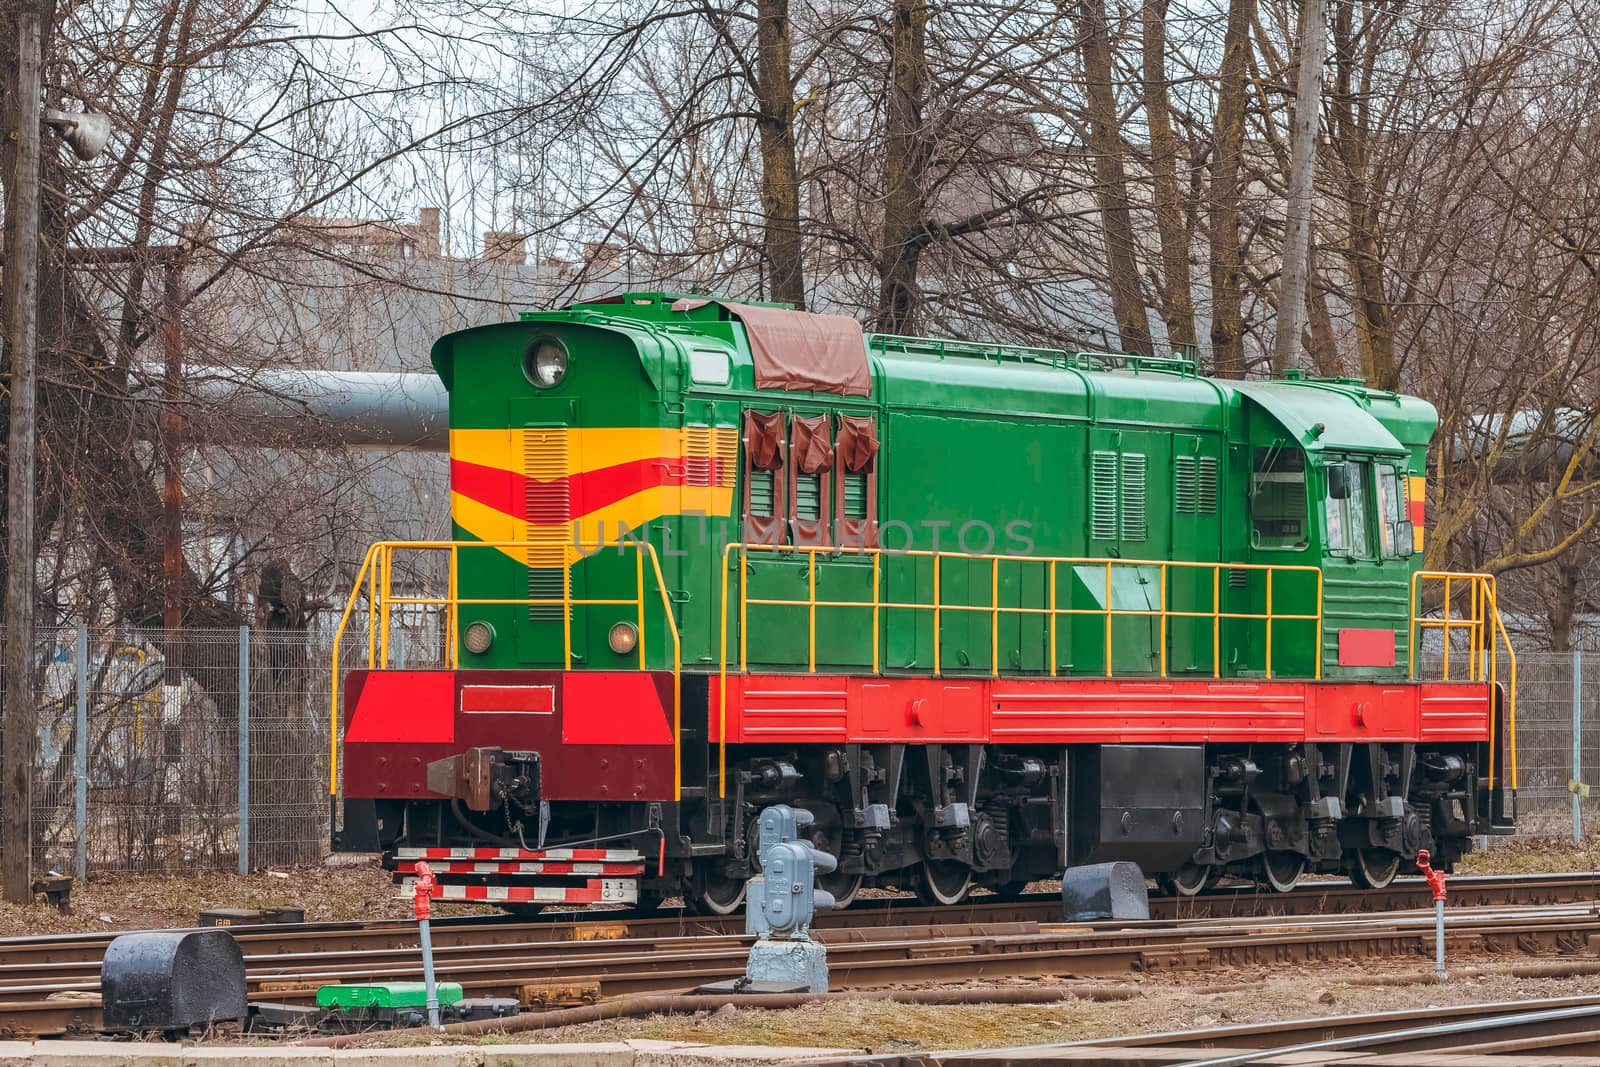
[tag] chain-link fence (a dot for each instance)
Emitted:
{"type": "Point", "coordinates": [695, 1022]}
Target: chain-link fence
{"type": "Point", "coordinates": [205, 750]}
{"type": "Point", "coordinates": [144, 740]}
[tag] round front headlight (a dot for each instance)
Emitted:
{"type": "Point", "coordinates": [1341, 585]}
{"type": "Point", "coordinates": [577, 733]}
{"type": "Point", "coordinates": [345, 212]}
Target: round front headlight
{"type": "Point", "coordinates": [478, 637]}
{"type": "Point", "coordinates": [623, 638]}
{"type": "Point", "coordinates": [545, 363]}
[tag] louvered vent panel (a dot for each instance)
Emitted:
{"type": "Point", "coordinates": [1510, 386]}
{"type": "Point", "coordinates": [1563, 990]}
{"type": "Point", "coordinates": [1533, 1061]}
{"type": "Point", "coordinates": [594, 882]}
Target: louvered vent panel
{"type": "Point", "coordinates": [698, 455]}
{"type": "Point", "coordinates": [1238, 577]}
{"type": "Point", "coordinates": [807, 496]}
{"type": "Point", "coordinates": [1103, 496]}
{"type": "Point", "coordinates": [1185, 488]}
{"type": "Point", "coordinates": [761, 491]}
{"type": "Point", "coordinates": [1208, 485]}
{"type": "Point", "coordinates": [855, 496]}
{"type": "Point", "coordinates": [724, 455]}
{"type": "Point", "coordinates": [1133, 497]}
{"type": "Point", "coordinates": [548, 509]}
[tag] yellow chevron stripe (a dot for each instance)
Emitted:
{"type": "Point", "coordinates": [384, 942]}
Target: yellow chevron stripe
{"type": "Point", "coordinates": [600, 527]}
{"type": "Point", "coordinates": [589, 448]}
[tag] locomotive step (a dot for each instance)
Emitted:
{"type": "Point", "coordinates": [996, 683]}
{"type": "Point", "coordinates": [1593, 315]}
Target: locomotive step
{"type": "Point", "coordinates": [448, 867]}
{"type": "Point", "coordinates": [596, 855]}
{"type": "Point", "coordinates": [594, 891]}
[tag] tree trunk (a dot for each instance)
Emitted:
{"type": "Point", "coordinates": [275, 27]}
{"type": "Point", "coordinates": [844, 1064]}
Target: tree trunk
{"type": "Point", "coordinates": [1177, 289]}
{"type": "Point", "coordinates": [1227, 254]}
{"type": "Point", "coordinates": [1116, 218]}
{"type": "Point", "coordinates": [1374, 321]}
{"type": "Point", "coordinates": [905, 157]}
{"type": "Point", "coordinates": [782, 245]}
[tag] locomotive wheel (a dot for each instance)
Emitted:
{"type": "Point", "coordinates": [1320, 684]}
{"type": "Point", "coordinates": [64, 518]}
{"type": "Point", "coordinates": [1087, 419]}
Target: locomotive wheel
{"type": "Point", "coordinates": [1281, 870]}
{"type": "Point", "coordinates": [714, 894]}
{"type": "Point", "coordinates": [943, 882]}
{"type": "Point", "coordinates": [843, 887]}
{"type": "Point", "coordinates": [1189, 880]}
{"type": "Point", "coordinates": [1374, 868]}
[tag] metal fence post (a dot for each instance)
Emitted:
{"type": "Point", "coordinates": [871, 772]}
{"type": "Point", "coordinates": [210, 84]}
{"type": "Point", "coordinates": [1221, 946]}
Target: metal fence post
{"type": "Point", "coordinates": [244, 750]}
{"type": "Point", "coordinates": [1577, 746]}
{"type": "Point", "coordinates": [80, 757]}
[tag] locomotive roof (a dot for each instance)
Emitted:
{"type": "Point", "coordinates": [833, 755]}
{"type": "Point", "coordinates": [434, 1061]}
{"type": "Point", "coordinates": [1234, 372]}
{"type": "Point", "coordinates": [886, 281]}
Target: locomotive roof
{"type": "Point", "coordinates": [960, 376]}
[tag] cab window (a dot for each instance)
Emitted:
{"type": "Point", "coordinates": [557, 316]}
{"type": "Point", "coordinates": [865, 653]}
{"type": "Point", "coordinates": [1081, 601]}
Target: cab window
{"type": "Point", "coordinates": [1278, 498]}
{"type": "Point", "coordinates": [1393, 536]}
{"type": "Point", "coordinates": [1347, 509]}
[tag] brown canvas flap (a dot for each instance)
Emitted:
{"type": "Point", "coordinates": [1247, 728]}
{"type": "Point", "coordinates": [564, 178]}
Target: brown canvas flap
{"type": "Point", "coordinates": [799, 350]}
{"type": "Point", "coordinates": [763, 437]}
{"type": "Point", "coordinates": [858, 443]}
{"type": "Point", "coordinates": [808, 444]}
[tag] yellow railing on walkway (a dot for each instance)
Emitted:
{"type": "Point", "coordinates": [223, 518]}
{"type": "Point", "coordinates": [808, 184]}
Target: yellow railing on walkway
{"type": "Point", "coordinates": [1048, 569]}
{"type": "Point", "coordinates": [374, 581]}
{"type": "Point", "coordinates": [1486, 635]}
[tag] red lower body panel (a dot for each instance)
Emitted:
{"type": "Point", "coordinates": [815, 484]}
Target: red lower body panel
{"type": "Point", "coordinates": [1048, 711]}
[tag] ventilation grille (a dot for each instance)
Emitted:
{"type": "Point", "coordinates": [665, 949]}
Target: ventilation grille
{"type": "Point", "coordinates": [1238, 577]}
{"type": "Point", "coordinates": [855, 496]}
{"type": "Point", "coordinates": [1103, 496]}
{"type": "Point", "coordinates": [1208, 485]}
{"type": "Point", "coordinates": [1133, 496]}
{"type": "Point", "coordinates": [1185, 486]}
{"type": "Point", "coordinates": [807, 496]}
{"type": "Point", "coordinates": [699, 456]}
{"type": "Point", "coordinates": [762, 484]}
{"type": "Point", "coordinates": [548, 510]}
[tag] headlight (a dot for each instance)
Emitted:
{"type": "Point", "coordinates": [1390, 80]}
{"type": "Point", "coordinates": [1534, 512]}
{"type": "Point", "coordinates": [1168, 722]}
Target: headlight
{"type": "Point", "coordinates": [623, 638]}
{"type": "Point", "coordinates": [478, 638]}
{"type": "Point", "coordinates": [545, 363]}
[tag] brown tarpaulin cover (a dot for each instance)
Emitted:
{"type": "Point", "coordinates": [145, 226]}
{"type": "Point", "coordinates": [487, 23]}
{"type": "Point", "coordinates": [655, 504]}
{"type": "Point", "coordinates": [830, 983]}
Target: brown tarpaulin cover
{"type": "Point", "coordinates": [808, 444]}
{"type": "Point", "coordinates": [763, 444]}
{"type": "Point", "coordinates": [858, 443]}
{"type": "Point", "coordinates": [801, 351]}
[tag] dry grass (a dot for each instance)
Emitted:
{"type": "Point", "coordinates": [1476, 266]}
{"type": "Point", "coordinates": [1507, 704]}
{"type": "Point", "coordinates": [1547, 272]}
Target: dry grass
{"type": "Point", "coordinates": [334, 891]}
{"type": "Point", "coordinates": [1532, 855]}
{"type": "Point", "coordinates": [1173, 1002]}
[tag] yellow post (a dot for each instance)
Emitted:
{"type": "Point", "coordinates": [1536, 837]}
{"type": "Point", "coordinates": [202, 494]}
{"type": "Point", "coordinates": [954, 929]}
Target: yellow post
{"type": "Point", "coordinates": [1052, 569]}
{"type": "Point", "coordinates": [744, 611]}
{"type": "Point", "coordinates": [452, 616]}
{"type": "Point", "coordinates": [722, 681]}
{"type": "Point", "coordinates": [1446, 627]}
{"type": "Point", "coordinates": [1412, 630]}
{"type": "Point", "coordinates": [1317, 662]}
{"type": "Point", "coordinates": [1216, 620]}
{"type": "Point", "coordinates": [876, 600]}
{"type": "Point", "coordinates": [936, 613]}
{"type": "Point", "coordinates": [1108, 618]}
{"type": "Point", "coordinates": [994, 617]}
{"type": "Point", "coordinates": [372, 612]}
{"type": "Point", "coordinates": [638, 558]}
{"type": "Point", "coordinates": [811, 611]}
{"type": "Point", "coordinates": [1163, 636]}
{"type": "Point", "coordinates": [1269, 624]}
{"type": "Point", "coordinates": [387, 585]}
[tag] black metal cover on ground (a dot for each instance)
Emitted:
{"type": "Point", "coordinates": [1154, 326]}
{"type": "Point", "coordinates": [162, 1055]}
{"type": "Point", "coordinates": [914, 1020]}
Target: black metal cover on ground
{"type": "Point", "coordinates": [172, 980]}
{"type": "Point", "coordinates": [1102, 891]}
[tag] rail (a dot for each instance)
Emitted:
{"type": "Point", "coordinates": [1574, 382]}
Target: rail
{"type": "Point", "coordinates": [375, 580]}
{"type": "Point", "coordinates": [1486, 635]}
{"type": "Point", "coordinates": [1053, 611]}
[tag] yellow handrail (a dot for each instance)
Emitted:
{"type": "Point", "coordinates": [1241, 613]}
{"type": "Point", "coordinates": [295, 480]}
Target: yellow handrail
{"type": "Point", "coordinates": [993, 609]}
{"type": "Point", "coordinates": [1486, 636]}
{"type": "Point", "coordinates": [377, 574]}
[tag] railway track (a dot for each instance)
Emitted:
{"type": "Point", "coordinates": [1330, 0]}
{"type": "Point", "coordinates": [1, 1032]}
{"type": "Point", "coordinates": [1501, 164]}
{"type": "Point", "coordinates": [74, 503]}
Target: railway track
{"type": "Point", "coordinates": [860, 957]}
{"type": "Point", "coordinates": [1332, 897]}
{"type": "Point", "coordinates": [1556, 1030]}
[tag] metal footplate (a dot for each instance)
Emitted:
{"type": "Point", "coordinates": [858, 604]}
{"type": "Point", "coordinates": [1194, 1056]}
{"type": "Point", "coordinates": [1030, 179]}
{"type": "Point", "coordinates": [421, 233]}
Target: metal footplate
{"type": "Point", "coordinates": [526, 876]}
